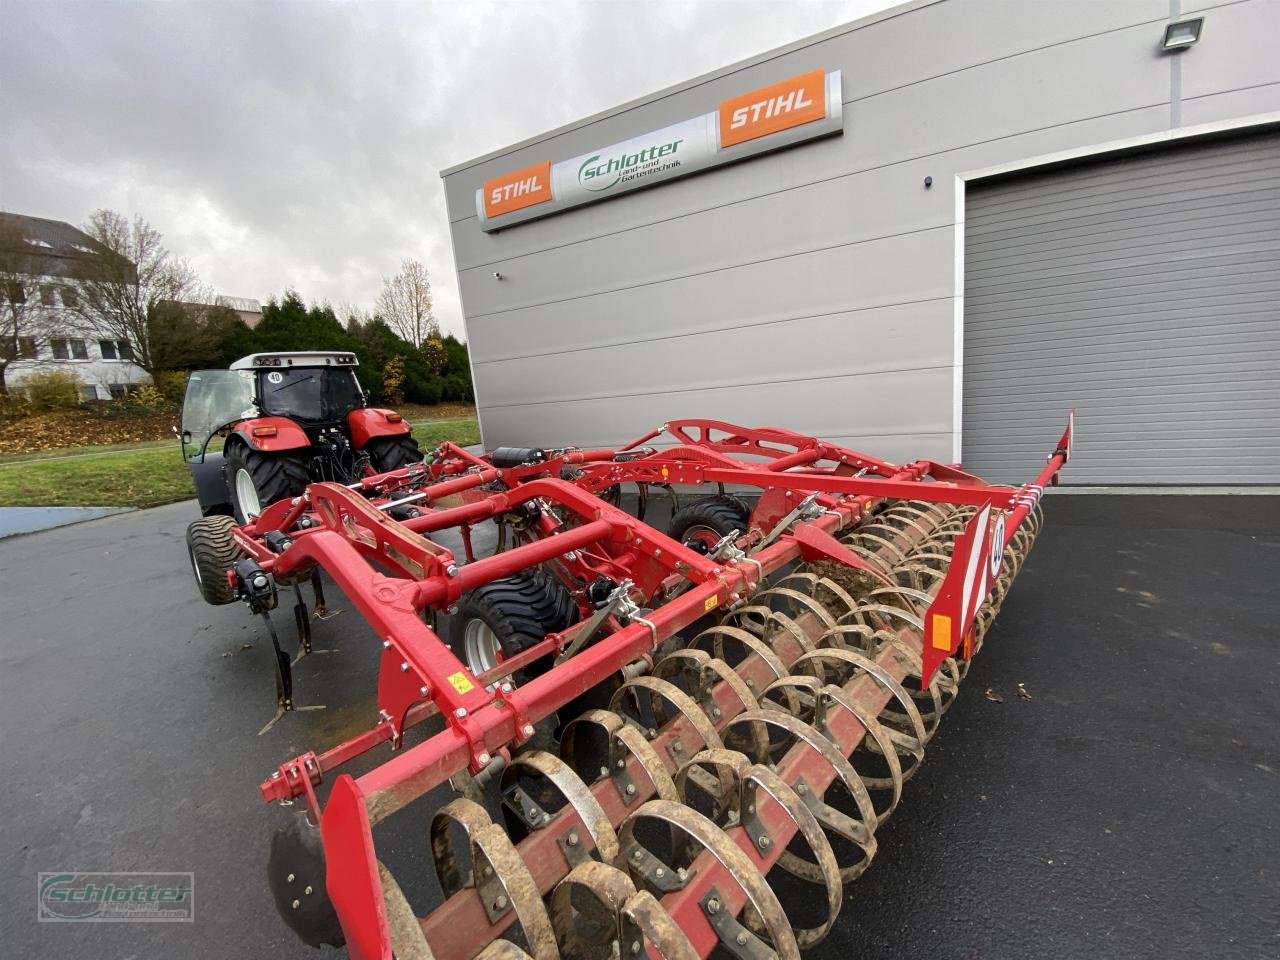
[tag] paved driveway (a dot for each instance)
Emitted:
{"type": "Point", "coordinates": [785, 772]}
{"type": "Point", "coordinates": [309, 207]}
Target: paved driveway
{"type": "Point", "coordinates": [1129, 809]}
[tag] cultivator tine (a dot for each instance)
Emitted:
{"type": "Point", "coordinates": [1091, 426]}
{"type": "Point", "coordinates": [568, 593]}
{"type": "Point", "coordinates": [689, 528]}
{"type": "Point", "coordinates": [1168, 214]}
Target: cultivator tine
{"type": "Point", "coordinates": [302, 620]}
{"type": "Point", "coordinates": [284, 675]}
{"type": "Point", "coordinates": [781, 737]}
{"type": "Point", "coordinates": [321, 611]}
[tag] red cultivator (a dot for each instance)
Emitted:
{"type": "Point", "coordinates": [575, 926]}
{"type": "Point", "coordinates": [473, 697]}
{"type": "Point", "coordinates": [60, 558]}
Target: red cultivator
{"type": "Point", "coordinates": [773, 674]}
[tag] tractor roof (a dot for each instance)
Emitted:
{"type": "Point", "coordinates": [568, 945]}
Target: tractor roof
{"type": "Point", "coordinates": [295, 358]}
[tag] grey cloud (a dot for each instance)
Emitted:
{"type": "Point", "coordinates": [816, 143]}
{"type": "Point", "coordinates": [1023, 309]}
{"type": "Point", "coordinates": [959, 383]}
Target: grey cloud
{"type": "Point", "coordinates": [299, 144]}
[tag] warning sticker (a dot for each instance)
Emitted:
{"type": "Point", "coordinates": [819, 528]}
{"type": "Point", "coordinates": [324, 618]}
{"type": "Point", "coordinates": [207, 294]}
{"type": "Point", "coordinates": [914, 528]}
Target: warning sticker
{"type": "Point", "coordinates": [460, 682]}
{"type": "Point", "coordinates": [712, 602]}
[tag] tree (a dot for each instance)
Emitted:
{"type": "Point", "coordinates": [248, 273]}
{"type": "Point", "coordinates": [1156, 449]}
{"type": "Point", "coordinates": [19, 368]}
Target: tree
{"type": "Point", "coordinates": [131, 275]}
{"type": "Point", "coordinates": [405, 303]}
{"type": "Point", "coordinates": [190, 336]}
{"type": "Point", "coordinates": [22, 317]}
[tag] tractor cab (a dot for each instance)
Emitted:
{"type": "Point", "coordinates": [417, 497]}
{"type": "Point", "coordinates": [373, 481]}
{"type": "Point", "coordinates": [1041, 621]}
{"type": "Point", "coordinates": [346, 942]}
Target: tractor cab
{"type": "Point", "coordinates": [313, 389]}
{"type": "Point", "coordinates": [273, 422]}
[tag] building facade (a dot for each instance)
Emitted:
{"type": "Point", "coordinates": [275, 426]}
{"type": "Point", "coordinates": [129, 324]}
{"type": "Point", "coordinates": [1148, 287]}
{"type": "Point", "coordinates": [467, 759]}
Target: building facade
{"type": "Point", "coordinates": [931, 232]}
{"type": "Point", "coordinates": [41, 260]}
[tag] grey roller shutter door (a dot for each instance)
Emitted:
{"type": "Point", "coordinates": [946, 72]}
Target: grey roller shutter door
{"type": "Point", "coordinates": [1145, 292]}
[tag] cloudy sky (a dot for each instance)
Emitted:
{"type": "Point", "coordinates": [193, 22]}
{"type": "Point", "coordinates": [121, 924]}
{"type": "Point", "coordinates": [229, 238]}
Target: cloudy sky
{"type": "Point", "coordinates": [298, 144]}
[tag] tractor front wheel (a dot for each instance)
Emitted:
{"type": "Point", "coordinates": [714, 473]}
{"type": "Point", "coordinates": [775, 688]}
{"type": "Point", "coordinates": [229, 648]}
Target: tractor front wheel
{"type": "Point", "coordinates": [212, 553]}
{"type": "Point", "coordinates": [258, 479]}
{"type": "Point", "coordinates": [392, 453]}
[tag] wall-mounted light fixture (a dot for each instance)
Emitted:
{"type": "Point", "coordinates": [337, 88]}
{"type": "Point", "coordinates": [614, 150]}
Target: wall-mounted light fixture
{"type": "Point", "coordinates": [1182, 34]}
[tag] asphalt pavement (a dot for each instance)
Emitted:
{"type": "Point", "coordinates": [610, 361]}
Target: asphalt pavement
{"type": "Point", "coordinates": [1128, 809]}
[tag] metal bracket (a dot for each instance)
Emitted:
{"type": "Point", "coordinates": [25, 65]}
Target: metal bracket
{"type": "Point", "coordinates": [572, 847]}
{"type": "Point", "coordinates": [615, 601]}
{"type": "Point", "coordinates": [751, 822]}
{"type": "Point", "coordinates": [622, 781]}
{"type": "Point", "coordinates": [805, 510]}
{"type": "Point", "coordinates": [492, 894]}
{"type": "Point", "coordinates": [525, 807]}
{"type": "Point", "coordinates": [655, 874]}
{"type": "Point", "coordinates": [734, 937]}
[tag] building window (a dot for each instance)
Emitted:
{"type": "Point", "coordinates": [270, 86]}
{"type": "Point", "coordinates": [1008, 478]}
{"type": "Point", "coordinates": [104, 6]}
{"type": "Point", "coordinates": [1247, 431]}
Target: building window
{"type": "Point", "coordinates": [16, 292]}
{"type": "Point", "coordinates": [118, 391]}
{"type": "Point", "coordinates": [69, 297]}
{"type": "Point", "coordinates": [27, 349]}
{"type": "Point", "coordinates": [88, 392]}
{"type": "Point", "coordinates": [46, 296]}
{"type": "Point", "coordinates": [64, 349]}
{"type": "Point", "coordinates": [108, 348]}
{"type": "Point", "coordinates": [125, 349]}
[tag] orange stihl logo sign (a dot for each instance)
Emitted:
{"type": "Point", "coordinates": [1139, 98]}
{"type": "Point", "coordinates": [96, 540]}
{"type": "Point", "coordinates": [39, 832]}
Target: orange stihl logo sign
{"type": "Point", "coordinates": [781, 106]}
{"type": "Point", "coordinates": [515, 191]}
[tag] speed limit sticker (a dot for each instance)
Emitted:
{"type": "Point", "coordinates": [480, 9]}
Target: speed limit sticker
{"type": "Point", "coordinates": [275, 377]}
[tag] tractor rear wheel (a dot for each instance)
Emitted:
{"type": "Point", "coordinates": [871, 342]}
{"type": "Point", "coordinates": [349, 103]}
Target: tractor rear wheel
{"type": "Point", "coordinates": [212, 553]}
{"type": "Point", "coordinates": [500, 619]}
{"type": "Point", "coordinates": [703, 523]}
{"type": "Point", "coordinates": [258, 479]}
{"type": "Point", "coordinates": [392, 453]}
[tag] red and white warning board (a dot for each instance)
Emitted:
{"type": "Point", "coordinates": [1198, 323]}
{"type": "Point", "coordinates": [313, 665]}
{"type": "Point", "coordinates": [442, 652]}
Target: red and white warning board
{"type": "Point", "coordinates": [975, 566]}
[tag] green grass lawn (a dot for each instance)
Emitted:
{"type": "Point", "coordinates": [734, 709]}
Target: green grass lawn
{"type": "Point", "coordinates": [141, 475]}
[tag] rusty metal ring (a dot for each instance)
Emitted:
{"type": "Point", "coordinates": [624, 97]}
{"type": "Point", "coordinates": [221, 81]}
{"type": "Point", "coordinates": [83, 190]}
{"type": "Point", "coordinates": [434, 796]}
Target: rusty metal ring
{"type": "Point", "coordinates": [880, 736]}
{"type": "Point", "coordinates": [860, 832]}
{"type": "Point", "coordinates": [621, 737]}
{"type": "Point", "coordinates": [694, 826]}
{"type": "Point", "coordinates": [405, 932]}
{"type": "Point", "coordinates": [500, 878]}
{"type": "Point", "coordinates": [706, 670]}
{"type": "Point", "coordinates": [810, 604]}
{"type": "Point", "coordinates": [607, 889]}
{"type": "Point", "coordinates": [683, 703]}
{"type": "Point", "coordinates": [752, 644]}
{"type": "Point", "coordinates": [748, 780]}
{"type": "Point", "coordinates": [908, 745]}
{"type": "Point", "coordinates": [575, 793]}
{"type": "Point", "coordinates": [657, 927]}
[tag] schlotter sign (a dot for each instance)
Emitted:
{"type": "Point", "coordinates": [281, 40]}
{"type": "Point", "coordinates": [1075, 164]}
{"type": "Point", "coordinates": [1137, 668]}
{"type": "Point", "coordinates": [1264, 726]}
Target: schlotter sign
{"type": "Point", "coordinates": [800, 108]}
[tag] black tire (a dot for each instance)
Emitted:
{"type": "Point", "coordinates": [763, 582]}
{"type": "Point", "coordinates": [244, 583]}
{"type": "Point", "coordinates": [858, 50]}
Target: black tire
{"type": "Point", "coordinates": [392, 453]}
{"type": "Point", "coordinates": [519, 611]}
{"type": "Point", "coordinates": [703, 522]}
{"type": "Point", "coordinates": [212, 553]}
{"type": "Point", "coordinates": [275, 476]}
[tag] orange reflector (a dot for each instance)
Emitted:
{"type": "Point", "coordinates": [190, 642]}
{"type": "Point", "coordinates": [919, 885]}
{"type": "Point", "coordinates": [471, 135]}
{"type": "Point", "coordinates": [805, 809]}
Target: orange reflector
{"type": "Point", "coordinates": [942, 632]}
{"type": "Point", "coordinates": [394, 418]}
{"type": "Point", "coordinates": [264, 431]}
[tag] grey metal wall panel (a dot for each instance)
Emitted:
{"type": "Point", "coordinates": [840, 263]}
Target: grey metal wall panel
{"type": "Point", "coordinates": [916, 335]}
{"type": "Point", "coordinates": [745, 262]}
{"type": "Point", "coordinates": [1145, 292]}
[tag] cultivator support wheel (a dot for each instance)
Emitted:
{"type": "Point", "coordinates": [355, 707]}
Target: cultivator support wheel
{"type": "Point", "coordinates": [774, 669]}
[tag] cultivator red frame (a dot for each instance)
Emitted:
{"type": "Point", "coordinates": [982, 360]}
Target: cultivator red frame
{"type": "Point", "coordinates": [837, 628]}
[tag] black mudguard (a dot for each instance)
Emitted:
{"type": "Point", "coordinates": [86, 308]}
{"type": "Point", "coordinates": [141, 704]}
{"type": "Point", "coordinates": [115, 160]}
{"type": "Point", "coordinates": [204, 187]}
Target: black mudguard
{"type": "Point", "coordinates": [211, 485]}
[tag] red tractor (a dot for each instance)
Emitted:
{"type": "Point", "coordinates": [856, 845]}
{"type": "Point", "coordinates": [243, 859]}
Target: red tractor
{"type": "Point", "coordinates": [285, 420]}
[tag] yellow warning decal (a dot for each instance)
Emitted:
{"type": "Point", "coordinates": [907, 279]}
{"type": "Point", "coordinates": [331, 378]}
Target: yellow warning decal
{"type": "Point", "coordinates": [461, 683]}
{"type": "Point", "coordinates": [665, 473]}
{"type": "Point", "coordinates": [712, 602]}
{"type": "Point", "coordinates": [941, 632]}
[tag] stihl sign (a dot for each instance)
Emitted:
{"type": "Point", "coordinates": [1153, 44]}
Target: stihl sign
{"type": "Point", "coordinates": [781, 106]}
{"type": "Point", "coordinates": [791, 111]}
{"type": "Point", "coordinates": [518, 190]}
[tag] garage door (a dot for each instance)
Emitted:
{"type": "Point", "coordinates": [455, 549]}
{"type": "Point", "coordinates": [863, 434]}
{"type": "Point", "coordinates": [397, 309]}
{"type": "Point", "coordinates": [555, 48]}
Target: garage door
{"type": "Point", "coordinates": [1145, 292]}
